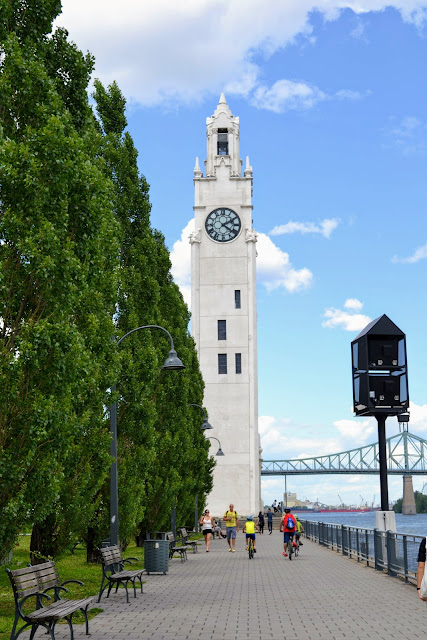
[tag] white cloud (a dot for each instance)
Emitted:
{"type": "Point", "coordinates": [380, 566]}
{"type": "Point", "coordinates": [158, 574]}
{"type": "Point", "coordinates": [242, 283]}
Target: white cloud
{"type": "Point", "coordinates": [181, 262]}
{"type": "Point", "coordinates": [349, 319]}
{"type": "Point", "coordinates": [282, 439]}
{"type": "Point", "coordinates": [359, 31]}
{"type": "Point", "coordinates": [324, 228]}
{"type": "Point", "coordinates": [358, 432]}
{"type": "Point", "coordinates": [419, 254]}
{"type": "Point", "coordinates": [350, 94]}
{"type": "Point", "coordinates": [274, 269]}
{"type": "Point", "coordinates": [354, 304]}
{"type": "Point", "coordinates": [408, 134]}
{"type": "Point", "coordinates": [161, 51]}
{"type": "Point", "coordinates": [285, 95]}
{"type": "Point", "coordinates": [418, 418]}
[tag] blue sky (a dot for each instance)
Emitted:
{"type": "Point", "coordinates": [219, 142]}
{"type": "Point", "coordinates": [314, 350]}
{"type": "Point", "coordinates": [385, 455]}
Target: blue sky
{"type": "Point", "coordinates": [332, 107]}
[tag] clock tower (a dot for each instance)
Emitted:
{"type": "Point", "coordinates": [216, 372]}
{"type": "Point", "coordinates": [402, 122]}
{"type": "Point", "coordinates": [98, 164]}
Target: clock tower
{"type": "Point", "coordinates": [223, 320]}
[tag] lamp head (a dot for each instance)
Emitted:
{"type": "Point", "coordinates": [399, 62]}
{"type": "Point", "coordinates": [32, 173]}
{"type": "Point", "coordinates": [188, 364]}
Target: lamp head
{"type": "Point", "coordinates": [220, 452]}
{"type": "Point", "coordinates": [206, 425]}
{"type": "Point", "coordinates": [172, 362]}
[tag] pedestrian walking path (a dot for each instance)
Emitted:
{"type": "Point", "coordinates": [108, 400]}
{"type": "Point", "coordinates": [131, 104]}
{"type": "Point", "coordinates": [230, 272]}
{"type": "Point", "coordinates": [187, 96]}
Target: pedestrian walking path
{"type": "Point", "coordinates": [219, 595]}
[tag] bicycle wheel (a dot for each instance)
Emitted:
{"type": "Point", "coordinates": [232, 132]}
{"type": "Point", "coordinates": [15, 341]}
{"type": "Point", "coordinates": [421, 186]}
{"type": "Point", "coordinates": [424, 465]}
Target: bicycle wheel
{"type": "Point", "coordinates": [290, 549]}
{"type": "Point", "coordinates": [296, 551]}
{"type": "Point", "coordinates": [251, 549]}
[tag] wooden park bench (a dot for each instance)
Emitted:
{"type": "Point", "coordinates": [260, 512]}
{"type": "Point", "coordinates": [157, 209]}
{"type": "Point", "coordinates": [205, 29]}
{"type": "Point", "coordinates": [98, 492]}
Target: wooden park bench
{"type": "Point", "coordinates": [174, 548]}
{"type": "Point", "coordinates": [112, 559]}
{"type": "Point", "coordinates": [186, 542]}
{"type": "Point", "coordinates": [35, 582]}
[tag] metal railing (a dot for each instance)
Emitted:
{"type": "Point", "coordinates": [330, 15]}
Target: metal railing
{"type": "Point", "coordinates": [389, 551]}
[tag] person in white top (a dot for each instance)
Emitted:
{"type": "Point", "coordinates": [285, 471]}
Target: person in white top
{"type": "Point", "coordinates": [206, 524]}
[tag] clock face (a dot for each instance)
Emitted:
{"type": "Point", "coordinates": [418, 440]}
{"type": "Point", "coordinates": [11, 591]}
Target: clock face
{"type": "Point", "coordinates": [223, 225]}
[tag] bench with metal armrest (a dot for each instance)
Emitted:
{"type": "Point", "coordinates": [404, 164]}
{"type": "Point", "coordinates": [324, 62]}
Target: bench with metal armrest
{"type": "Point", "coordinates": [174, 548]}
{"type": "Point", "coordinates": [186, 541]}
{"type": "Point", "coordinates": [114, 573]}
{"type": "Point", "coordinates": [35, 582]}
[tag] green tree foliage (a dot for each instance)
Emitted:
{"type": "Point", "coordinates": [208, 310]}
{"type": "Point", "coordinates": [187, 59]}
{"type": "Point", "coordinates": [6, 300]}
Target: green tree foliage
{"type": "Point", "coordinates": [420, 503]}
{"type": "Point", "coordinates": [58, 274]}
{"type": "Point", "coordinates": [80, 265]}
{"type": "Point", "coordinates": [163, 455]}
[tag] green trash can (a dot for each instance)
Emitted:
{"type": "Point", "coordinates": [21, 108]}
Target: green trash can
{"type": "Point", "coordinates": [156, 553]}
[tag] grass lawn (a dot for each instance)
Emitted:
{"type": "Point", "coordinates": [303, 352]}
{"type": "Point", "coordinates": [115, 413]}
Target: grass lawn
{"type": "Point", "coordinates": [70, 567]}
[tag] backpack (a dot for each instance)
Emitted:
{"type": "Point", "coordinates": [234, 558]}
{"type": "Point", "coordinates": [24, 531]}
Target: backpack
{"type": "Point", "coordinates": [290, 523]}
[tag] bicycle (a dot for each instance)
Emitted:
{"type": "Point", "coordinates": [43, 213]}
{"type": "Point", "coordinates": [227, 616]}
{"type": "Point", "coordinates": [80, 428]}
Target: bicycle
{"type": "Point", "coordinates": [296, 549]}
{"type": "Point", "coordinates": [290, 547]}
{"type": "Point", "coordinates": [251, 548]}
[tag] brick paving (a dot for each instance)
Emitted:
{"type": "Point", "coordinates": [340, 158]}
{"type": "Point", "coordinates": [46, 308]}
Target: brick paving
{"type": "Point", "coordinates": [318, 596]}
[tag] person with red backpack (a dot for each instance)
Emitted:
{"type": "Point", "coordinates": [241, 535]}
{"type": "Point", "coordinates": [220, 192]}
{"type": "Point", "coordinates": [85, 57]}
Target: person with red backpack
{"type": "Point", "coordinates": [288, 526]}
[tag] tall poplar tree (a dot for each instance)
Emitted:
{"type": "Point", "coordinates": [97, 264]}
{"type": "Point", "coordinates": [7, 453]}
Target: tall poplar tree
{"type": "Point", "coordinates": [58, 281]}
{"type": "Point", "coordinates": [163, 458]}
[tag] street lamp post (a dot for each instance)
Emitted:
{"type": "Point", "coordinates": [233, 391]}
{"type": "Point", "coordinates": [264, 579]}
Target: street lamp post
{"type": "Point", "coordinates": [172, 363]}
{"type": "Point", "coordinates": [220, 452]}
{"type": "Point", "coordinates": [205, 423]}
{"type": "Point", "coordinates": [380, 389]}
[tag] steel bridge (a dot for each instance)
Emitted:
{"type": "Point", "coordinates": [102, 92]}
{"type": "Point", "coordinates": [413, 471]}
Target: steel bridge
{"type": "Point", "coordinates": [406, 454]}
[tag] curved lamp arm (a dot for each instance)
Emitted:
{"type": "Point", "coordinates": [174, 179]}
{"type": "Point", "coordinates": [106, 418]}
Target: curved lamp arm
{"type": "Point", "coordinates": [172, 362]}
{"type": "Point", "coordinates": [205, 423]}
{"type": "Point", "coordinates": [200, 407]}
{"type": "Point", "coordinates": [147, 326]}
{"type": "Point", "coordinates": [220, 452]}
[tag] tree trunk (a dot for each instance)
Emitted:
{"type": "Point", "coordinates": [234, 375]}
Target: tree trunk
{"type": "Point", "coordinates": [43, 545]}
{"type": "Point", "coordinates": [92, 554]}
{"type": "Point", "coordinates": [140, 537]}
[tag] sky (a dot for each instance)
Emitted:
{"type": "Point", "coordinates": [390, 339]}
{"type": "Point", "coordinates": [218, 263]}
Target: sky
{"type": "Point", "coordinates": [331, 97]}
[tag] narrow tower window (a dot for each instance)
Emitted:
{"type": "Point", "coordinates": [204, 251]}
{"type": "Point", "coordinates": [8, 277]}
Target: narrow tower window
{"type": "Point", "coordinates": [222, 142]}
{"type": "Point", "coordinates": [222, 329]}
{"type": "Point", "coordinates": [238, 362]}
{"type": "Point", "coordinates": [237, 302]}
{"type": "Point", "coordinates": [222, 363]}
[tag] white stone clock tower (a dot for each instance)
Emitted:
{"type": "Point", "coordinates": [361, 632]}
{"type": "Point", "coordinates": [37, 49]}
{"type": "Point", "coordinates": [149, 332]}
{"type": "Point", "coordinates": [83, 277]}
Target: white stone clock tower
{"type": "Point", "coordinates": [223, 321]}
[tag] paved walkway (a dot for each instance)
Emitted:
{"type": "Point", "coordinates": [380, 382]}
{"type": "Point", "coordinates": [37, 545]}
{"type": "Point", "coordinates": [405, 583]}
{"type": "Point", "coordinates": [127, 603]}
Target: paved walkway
{"type": "Point", "coordinates": [219, 595]}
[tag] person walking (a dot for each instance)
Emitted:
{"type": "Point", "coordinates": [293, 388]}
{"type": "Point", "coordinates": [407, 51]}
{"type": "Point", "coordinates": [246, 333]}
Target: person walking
{"type": "Point", "coordinates": [288, 526]}
{"type": "Point", "coordinates": [207, 528]}
{"type": "Point", "coordinates": [231, 527]}
{"type": "Point", "coordinates": [261, 522]}
{"type": "Point", "coordinates": [270, 521]}
{"type": "Point", "coordinates": [421, 567]}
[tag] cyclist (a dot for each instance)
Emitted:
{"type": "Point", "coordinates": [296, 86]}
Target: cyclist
{"type": "Point", "coordinates": [299, 531]}
{"type": "Point", "coordinates": [249, 528]}
{"type": "Point", "coordinates": [288, 526]}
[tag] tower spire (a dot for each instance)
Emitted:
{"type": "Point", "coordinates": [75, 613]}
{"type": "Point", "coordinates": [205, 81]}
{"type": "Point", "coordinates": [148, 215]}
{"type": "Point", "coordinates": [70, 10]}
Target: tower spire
{"type": "Point", "coordinates": [197, 171]}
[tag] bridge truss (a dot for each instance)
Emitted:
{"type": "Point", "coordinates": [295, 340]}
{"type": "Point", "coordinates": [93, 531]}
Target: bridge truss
{"type": "Point", "coordinates": [406, 454]}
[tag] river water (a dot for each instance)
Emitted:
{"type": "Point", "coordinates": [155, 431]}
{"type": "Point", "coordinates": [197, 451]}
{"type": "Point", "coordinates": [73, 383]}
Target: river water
{"type": "Point", "coordinates": [415, 525]}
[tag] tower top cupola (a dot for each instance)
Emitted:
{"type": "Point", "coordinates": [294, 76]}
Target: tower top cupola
{"type": "Point", "coordinates": [222, 130]}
